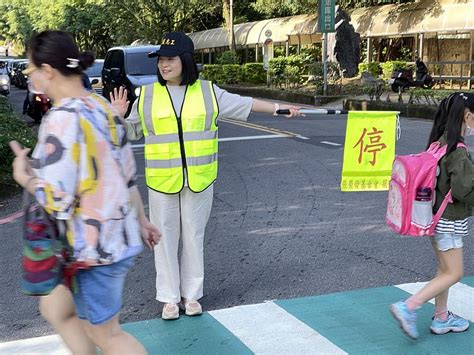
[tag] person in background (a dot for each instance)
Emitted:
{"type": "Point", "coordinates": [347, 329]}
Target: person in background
{"type": "Point", "coordinates": [88, 61]}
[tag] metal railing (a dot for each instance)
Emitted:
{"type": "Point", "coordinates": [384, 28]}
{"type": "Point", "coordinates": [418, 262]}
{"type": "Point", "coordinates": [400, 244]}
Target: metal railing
{"type": "Point", "coordinates": [452, 71]}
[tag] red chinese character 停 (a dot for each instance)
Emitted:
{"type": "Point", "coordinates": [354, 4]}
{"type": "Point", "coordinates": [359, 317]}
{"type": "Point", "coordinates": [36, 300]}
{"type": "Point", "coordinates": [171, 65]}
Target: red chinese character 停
{"type": "Point", "coordinates": [370, 142]}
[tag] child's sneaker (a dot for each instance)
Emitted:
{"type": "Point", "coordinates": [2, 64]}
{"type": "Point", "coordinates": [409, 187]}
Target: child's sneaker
{"type": "Point", "coordinates": [453, 323]}
{"type": "Point", "coordinates": [406, 318]}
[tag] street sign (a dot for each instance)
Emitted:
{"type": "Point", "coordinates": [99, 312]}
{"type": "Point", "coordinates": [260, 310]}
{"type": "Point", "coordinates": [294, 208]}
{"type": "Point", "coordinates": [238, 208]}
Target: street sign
{"type": "Point", "coordinates": [268, 33]}
{"type": "Point", "coordinates": [326, 16]}
{"type": "Point", "coordinates": [267, 52]}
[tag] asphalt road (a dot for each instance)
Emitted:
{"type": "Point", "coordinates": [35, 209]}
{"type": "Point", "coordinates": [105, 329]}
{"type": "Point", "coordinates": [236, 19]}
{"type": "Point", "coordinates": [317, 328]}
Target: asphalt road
{"type": "Point", "coordinates": [280, 227]}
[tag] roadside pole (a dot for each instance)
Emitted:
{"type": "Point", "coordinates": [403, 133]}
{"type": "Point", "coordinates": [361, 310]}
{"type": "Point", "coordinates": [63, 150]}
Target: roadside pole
{"type": "Point", "coordinates": [267, 54]}
{"type": "Point", "coordinates": [326, 24]}
{"type": "Point", "coordinates": [325, 63]}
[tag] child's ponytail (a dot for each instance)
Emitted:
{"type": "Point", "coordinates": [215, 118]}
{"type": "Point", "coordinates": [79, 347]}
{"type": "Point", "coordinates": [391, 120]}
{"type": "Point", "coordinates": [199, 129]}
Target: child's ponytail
{"type": "Point", "coordinates": [440, 119]}
{"type": "Point", "coordinates": [454, 122]}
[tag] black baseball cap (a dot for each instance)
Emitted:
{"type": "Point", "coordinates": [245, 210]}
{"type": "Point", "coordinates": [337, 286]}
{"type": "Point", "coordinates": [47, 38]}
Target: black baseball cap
{"type": "Point", "coordinates": [174, 44]}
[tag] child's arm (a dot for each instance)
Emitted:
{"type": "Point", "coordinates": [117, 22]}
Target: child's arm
{"type": "Point", "coordinates": [461, 172]}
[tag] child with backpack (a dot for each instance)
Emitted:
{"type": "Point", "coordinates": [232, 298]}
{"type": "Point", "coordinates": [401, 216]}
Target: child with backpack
{"type": "Point", "coordinates": [454, 121]}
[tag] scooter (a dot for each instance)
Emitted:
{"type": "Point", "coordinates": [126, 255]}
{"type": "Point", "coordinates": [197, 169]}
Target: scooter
{"type": "Point", "coordinates": [402, 79]}
{"type": "Point", "coordinates": [38, 105]}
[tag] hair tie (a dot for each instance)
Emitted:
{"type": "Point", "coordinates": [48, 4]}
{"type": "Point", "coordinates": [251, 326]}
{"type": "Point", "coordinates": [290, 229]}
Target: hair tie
{"type": "Point", "coordinates": [463, 96]}
{"type": "Point", "coordinates": [73, 63]}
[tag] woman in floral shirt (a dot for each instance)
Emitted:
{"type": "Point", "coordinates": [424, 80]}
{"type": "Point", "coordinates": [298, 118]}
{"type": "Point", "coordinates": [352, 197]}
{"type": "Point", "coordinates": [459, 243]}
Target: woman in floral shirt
{"type": "Point", "coordinates": [83, 172]}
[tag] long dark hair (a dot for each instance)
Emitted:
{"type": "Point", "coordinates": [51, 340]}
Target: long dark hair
{"type": "Point", "coordinates": [450, 117]}
{"type": "Point", "coordinates": [190, 71]}
{"type": "Point", "coordinates": [57, 48]}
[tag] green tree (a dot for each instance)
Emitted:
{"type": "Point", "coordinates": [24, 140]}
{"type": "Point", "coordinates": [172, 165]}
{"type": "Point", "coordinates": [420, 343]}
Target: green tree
{"type": "Point", "coordinates": [17, 25]}
{"type": "Point", "coordinates": [279, 8]}
{"type": "Point", "coordinates": [89, 23]}
{"type": "Point", "coordinates": [149, 19]}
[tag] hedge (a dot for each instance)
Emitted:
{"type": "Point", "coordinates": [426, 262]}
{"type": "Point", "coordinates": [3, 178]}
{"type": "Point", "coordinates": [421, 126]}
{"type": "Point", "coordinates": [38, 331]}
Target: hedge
{"type": "Point", "coordinates": [254, 73]}
{"type": "Point", "coordinates": [228, 58]}
{"type": "Point", "coordinates": [372, 67]}
{"type": "Point", "coordinates": [213, 72]}
{"type": "Point", "coordinates": [12, 128]}
{"type": "Point", "coordinates": [389, 67]}
{"type": "Point", "coordinates": [286, 70]}
{"type": "Point", "coordinates": [232, 73]}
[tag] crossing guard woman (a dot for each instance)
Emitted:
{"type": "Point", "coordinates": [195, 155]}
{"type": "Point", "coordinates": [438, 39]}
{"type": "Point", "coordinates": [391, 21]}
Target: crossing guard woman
{"type": "Point", "coordinates": [178, 116]}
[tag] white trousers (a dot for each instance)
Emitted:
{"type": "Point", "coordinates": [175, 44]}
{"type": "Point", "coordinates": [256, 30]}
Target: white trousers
{"type": "Point", "coordinates": [180, 217]}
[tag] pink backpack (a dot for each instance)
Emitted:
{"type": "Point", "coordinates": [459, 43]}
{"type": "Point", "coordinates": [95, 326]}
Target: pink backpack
{"type": "Point", "coordinates": [411, 192]}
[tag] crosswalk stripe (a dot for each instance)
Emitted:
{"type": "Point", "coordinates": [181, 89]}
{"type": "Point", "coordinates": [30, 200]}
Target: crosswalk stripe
{"type": "Point", "coordinates": [460, 300]}
{"type": "Point", "coordinates": [51, 345]}
{"type": "Point", "coordinates": [267, 328]}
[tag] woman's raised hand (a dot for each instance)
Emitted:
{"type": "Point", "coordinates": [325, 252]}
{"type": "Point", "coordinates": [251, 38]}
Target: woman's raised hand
{"type": "Point", "coordinates": [118, 99]}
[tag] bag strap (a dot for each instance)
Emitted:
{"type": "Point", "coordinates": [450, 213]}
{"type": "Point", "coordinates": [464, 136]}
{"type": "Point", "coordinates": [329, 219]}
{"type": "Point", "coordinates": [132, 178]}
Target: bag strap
{"type": "Point", "coordinates": [447, 199]}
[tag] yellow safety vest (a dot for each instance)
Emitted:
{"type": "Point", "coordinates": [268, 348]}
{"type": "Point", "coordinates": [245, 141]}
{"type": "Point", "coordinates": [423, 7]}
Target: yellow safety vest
{"type": "Point", "coordinates": [178, 141]}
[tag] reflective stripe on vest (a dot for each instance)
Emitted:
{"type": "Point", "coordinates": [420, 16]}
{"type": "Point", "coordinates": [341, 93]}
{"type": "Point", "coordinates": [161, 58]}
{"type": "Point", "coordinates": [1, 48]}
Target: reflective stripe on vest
{"type": "Point", "coordinates": [163, 145]}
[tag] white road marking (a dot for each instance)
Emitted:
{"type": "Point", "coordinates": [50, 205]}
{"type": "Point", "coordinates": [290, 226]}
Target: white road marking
{"type": "Point", "coordinates": [266, 328]}
{"type": "Point", "coordinates": [331, 143]}
{"type": "Point", "coordinates": [51, 345]}
{"type": "Point", "coordinates": [230, 139]}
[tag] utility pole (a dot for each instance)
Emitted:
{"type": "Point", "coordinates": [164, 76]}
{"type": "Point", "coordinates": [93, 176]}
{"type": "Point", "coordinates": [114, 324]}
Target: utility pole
{"type": "Point", "coordinates": [231, 26]}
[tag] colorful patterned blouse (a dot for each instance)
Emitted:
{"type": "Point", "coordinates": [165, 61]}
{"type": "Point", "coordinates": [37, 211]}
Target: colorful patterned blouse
{"type": "Point", "coordinates": [85, 168]}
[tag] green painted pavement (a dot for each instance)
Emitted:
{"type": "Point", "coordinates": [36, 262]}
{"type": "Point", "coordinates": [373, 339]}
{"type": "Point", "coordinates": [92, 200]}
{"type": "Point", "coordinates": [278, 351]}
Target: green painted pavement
{"type": "Point", "coordinates": [469, 280]}
{"type": "Point", "coordinates": [359, 322]}
{"type": "Point", "coordinates": [356, 321]}
{"type": "Point", "coordinates": [186, 335]}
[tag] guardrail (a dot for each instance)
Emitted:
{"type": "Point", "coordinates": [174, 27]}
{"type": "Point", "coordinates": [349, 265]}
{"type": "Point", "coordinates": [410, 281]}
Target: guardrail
{"type": "Point", "coordinates": [438, 70]}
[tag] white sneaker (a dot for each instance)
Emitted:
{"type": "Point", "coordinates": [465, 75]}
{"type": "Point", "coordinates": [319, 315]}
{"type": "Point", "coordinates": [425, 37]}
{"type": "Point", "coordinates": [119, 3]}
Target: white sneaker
{"type": "Point", "coordinates": [170, 311]}
{"type": "Point", "coordinates": [191, 307]}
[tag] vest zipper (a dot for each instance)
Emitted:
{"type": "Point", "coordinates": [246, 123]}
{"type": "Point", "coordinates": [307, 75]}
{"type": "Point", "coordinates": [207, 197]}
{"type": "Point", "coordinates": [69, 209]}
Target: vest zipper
{"type": "Point", "coordinates": [180, 131]}
{"type": "Point", "coordinates": [181, 143]}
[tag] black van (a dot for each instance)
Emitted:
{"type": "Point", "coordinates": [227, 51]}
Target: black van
{"type": "Point", "coordinates": [130, 67]}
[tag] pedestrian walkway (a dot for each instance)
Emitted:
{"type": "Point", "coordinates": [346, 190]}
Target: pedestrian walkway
{"type": "Point", "coordinates": [354, 322]}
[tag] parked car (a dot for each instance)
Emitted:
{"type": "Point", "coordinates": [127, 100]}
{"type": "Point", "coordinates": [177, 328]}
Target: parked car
{"type": "Point", "coordinates": [4, 81]}
{"type": "Point", "coordinates": [7, 63]}
{"type": "Point", "coordinates": [95, 75]}
{"type": "Point", "coordinates": [129, 67]}
{"type": "Point", "coordinates": [21, 79]}
{"type": "Point", "coordinates": [15, 74]}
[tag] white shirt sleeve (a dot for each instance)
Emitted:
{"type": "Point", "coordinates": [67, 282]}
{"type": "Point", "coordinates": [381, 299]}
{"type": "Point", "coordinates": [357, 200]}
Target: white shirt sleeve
{"type": "Point", "coordinates": [134, 123]}
{"type": "Point", "coordinates": [232, 105]}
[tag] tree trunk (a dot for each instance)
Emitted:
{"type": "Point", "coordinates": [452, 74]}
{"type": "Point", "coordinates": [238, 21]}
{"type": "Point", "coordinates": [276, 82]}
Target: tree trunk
{"type": "Point", "coordinates": [229, 21]}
